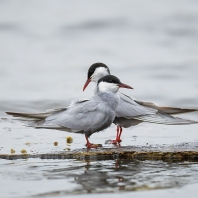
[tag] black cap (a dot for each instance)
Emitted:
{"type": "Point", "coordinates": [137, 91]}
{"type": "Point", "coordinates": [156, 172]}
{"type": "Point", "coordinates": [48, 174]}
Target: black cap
{"type": "Point", "coordinates": [110, 79]}
{"type": "Point", "coordinates": [94, 67]}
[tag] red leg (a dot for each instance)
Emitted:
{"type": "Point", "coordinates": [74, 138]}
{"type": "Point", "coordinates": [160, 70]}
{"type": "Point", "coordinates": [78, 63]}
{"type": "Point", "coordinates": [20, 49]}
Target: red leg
{"type": "Point", "coordinates": [119, 132]}
{"type": "Point", "coordinates": [90, 145]}
{"type": "Point", "coordinates": [117, 140]}
{"type": "Point", "coordinates": [118, 128]}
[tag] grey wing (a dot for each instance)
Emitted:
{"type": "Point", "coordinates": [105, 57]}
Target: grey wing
{"type": "Point", "coordinates": [79, 117]}
{"type": "Point", "coordinates": [75, 101]}
{"type": "Point", "coordinates": [35, 116]}
{"type": "Point", "coordinates": [128, 108]}
{"type": "Point", "coordinates": [38, 119]}
{"type": "Point", "coordinates": [168, 110]}
{"type": "Point", "coordinates": [163, 118]}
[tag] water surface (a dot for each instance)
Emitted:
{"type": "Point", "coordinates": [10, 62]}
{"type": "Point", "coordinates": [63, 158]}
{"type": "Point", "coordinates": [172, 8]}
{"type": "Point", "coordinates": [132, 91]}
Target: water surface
{"type": "Point", "coordinates": [72, 177]}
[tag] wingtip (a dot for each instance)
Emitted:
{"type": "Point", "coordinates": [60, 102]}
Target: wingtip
{"type": "Point", "coordinates": [9, 113]}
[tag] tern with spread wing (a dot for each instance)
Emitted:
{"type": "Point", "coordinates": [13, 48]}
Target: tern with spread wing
{"type": "Point", "coordinates": [131, 112]}
{"type": "Point", "coordinates": [82, 116]}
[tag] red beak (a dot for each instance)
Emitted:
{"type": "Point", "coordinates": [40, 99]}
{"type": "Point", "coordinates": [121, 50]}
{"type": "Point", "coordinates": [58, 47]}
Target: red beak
{"type": "Point", "coordinates": [122, 85]}
{"type": "Point", "coordinates": [86, 83]}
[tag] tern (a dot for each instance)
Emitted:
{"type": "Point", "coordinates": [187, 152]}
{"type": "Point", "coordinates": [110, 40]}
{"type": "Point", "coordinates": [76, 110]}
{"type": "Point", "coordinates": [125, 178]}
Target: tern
{"type": "Point", "coordinates": [131, 112]}
{"type": "Point", "coordinates": [85, 116]}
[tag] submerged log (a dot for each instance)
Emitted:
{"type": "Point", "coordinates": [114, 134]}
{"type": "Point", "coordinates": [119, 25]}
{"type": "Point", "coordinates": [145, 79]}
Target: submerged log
{"type": "Point", "coordinates": [180, 152]}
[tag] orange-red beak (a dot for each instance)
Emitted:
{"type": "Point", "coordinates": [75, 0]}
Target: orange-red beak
{"type": "Point", "coordinates": [86, 83]}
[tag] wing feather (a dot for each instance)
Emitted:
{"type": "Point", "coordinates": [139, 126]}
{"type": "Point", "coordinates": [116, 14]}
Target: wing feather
{"type": "Point", "coordinates": [162, 118]}
{"type": "Point", "coordinates": [168, 110]}
{"type": "Point", "coordinates": [86, 116]}
{"type": "Point", "coordinates": [131, 109]}
{"type": "Point", "coordinates": [128, 108]}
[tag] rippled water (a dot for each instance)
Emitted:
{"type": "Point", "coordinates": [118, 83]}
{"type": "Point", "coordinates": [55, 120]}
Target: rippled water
{"type": "Point", "coordinates": [46, 48]}
{"type": "Point", "coordinates": [71, 177]}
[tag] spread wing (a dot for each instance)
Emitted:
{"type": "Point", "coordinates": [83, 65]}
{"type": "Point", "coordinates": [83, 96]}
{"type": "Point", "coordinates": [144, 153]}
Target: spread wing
{"type": "Point", "coordinates": [43, 115]}
{"type": "Point", "coordinates": [83, 116]}
{"type": "Point", "coordinates": [168, 110]}
{"type": "Point", "coordinates": [128, 108]}
{"type": "Point", "coordinates": [79, 115]}
{"type": "Point", "coordinates": [163, 118]}
{"type": "Point", "coordinates": [35, 116]}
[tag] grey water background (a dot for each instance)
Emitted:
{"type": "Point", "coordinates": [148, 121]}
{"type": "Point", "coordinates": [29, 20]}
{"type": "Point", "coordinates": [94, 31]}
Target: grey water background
{"type": "Point", "coordinates": [46, 48]}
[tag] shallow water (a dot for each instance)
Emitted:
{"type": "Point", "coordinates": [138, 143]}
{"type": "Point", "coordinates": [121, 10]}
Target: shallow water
{"type": "Point", "coordinates": [45, 51]}
{"type": "Point", "coordinates": [71, 177]}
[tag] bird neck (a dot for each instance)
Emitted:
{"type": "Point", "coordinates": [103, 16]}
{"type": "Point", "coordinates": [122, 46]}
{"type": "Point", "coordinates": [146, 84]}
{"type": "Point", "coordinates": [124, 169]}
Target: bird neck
{"type": "Point", "coordinates": [96, 87]}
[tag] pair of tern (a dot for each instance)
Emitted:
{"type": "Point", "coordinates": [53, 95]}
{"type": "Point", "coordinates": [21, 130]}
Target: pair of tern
{"type": "Point", "coordinates": [105, 107]}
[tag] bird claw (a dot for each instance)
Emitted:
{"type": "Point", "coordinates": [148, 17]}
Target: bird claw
{"type": "Point", "coordinates": [90, 145]}
{"type": "Point", "coordinates": [116, 141]}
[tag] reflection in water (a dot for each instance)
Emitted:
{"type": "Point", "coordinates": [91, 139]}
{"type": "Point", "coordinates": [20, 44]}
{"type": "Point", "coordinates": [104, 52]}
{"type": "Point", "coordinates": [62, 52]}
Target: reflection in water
{"type": "Point", "coordinates": [122, 175]}
{"type": "Point", "coordinates": [45, 178]}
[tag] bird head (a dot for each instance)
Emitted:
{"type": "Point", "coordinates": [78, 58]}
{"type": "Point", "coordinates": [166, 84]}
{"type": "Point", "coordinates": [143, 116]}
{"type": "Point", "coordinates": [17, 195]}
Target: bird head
{"type": "Point", "coordinates": [110, 83]}
{"type": "Point", "coordinates": [95, 72]}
